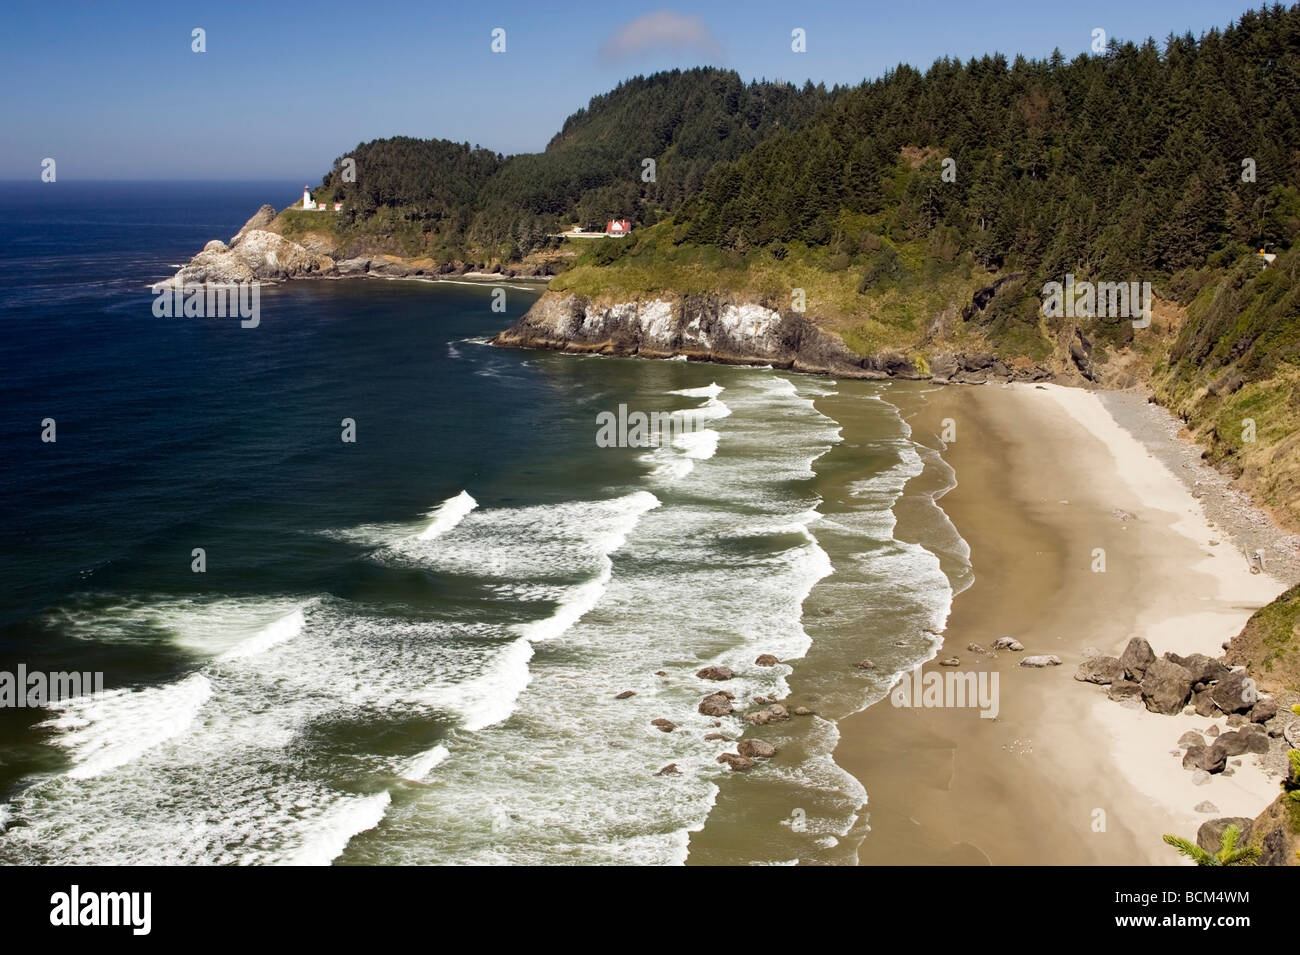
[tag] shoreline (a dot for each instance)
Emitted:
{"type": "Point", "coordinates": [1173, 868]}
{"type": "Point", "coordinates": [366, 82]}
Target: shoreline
{"type": "Point", "coordinates": [1042, 472]}
{"type": "Point", "coordinates": [940, 779]}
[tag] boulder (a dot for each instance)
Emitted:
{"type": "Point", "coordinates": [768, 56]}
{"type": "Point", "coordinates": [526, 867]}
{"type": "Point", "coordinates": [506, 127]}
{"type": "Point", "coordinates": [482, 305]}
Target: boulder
{"type": "Point", "coordinates": [1204, 669]}
{"type": "Point", "coordinates": [778, 712]}
{"type": "Point", "coordinates": [736, 761]}
{"type": "Point", "coordinates": [950, 662]}
{"type": "Point", "coordinates": [256, 255]}
{"type": "Point", "coordinates": [390, 266]}
{"type": "Point", "coordinates": [1232, 744]}
{"type": "Point", "coordinates": [943, 365]}
{"type": "Point", "coordinates": [1231, 693]}
{"type": "Point", "coordinates": [1101, 670]}
{"type": "Point", "coordinates": [715, 673]}
{"type": "Point", "coordinates": [1135, 659]}
{"type": "Point", "coordinates": [1251, 738]}
{"type": "Point", "coordinates": [1206, 806]}
{"type": "Point", "coordinates": [1263, 711]}
{"type": "Point", "coordinates": [1212, 732]}
{"type": "Point", "coordinates": [1124, 690]}
{"type": "Point", "coordinates": [766, 660]}
{"type": "Point", "coordinates": [1203, 703]}
{"type": "Point", "coordinates": [716, 704]}
{"type": "Point", "coordinates": [669, 770]}
{"type": "Point", "coordinates": [713, 736]}
{"type": "Point", "coordinates": [756, 749]}
{"type": "Point", "coordinates": [1166, 687]}
{"type": "Point", "coordinates": [759, 717]}
{"type": "Point", "coordinates": [1041, 660]}
{"type": "Point", "coordinates": [1191, 738]}
{"type": "Point", "coordinates": [1007, 643]}
{"type": "Point", "coordinates": [975, 648]}
{"type": "Point", "coordinates": [865, 665]}
{"type": "Point", "coordinates": [625, 695]}
{"type": "Point", "coordinates": [802, 711]}
{"type": "Point", "coordinates": [1273, 849]}
{"type": "Point", "coordinates": [1206, 758]}
{"type": "Point", "coordinates": [666, 725]}
{"type": "Point", "coordinates": [350, 267]}
{"type": "Point", "coordinates": [1259, 742]}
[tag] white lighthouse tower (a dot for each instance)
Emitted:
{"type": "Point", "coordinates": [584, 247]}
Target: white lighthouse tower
{"type": "Point", "coordinates": [306, 199]}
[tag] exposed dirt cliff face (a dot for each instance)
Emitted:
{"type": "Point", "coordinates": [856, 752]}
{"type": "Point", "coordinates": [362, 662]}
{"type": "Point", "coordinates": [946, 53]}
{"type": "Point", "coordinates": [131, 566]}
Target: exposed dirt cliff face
{"type": "Point", "coordinates": [725, 329]}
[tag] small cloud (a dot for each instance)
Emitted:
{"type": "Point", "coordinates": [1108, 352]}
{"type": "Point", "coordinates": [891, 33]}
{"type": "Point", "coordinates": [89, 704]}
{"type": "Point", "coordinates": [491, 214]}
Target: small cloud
{"type": "Point", "coordinates": [661, 31]}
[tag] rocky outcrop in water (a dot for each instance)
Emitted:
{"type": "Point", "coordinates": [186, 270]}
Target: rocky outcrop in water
{"type": "Point", "coordinates": [259, 252]}
{"type": "Point", "coordinates": [730, 330]}
{"type": "Point", "coordinates": [253, 254]}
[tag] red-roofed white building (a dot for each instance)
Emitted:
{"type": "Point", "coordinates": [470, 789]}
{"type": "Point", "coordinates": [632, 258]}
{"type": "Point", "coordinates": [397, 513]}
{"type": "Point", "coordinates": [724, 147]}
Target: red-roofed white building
{"type": "Point", "coordinates": [618, 227]}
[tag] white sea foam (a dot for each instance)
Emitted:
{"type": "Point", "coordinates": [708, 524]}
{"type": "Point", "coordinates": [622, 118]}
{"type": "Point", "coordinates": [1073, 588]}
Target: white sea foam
{"type": "Point", "coordinates": [420, 766]}
{"type": "Point", "coordinates": [711, 410]}
{"type": "Point", "coordinates": [579, 600]}
{"type": "Point", "coordinates": [711, 390]}
{"type": "Point", "coordinates": [667, 466]}
{"type": "Point", "coordinates": [675, 461]}
{"type": "Point", "coordinates": [106, 731]}
{"type": "Point", "coordinates": [489, 698]}
{"type": "Point", "coordinates": [208, 626]}
{"type": "Point", "coordinates": [575, 604]}
{"type": "Point", "coordinates": [274, 633]}
{"type": "Point", "coordinates": [331, 832]}
{"type": "Point", "coordinates": [698, 445]}
{"type": "Point", "coordinates": [450, 513]}
{"type": "Point", "coordinates": [148, 772]}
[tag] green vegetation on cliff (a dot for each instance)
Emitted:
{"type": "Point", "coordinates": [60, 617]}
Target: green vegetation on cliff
{"type": "Point", "coordinates": [1233, 373]}
{"type": "Point", "coordinates": [1269, 644]}
{"type": "Point", "coordinates": [1130, 165]}
{"type": "Point", "coordinates": [456, 202]}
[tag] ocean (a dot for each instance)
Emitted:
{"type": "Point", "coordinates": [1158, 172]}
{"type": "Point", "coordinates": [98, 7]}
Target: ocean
{"type": "Point", "coordinates": [406, 648]}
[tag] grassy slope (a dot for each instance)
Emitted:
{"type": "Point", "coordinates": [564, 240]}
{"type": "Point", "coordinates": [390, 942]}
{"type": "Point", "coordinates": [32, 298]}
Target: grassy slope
{"type": "Point", "coordinates": [1237, 360]}
{"type": "Point", "coordinates": [1269, 644]}
{"type": "Point", "coordinates": [387, 231]}
{"type": "Point", "coordinates": [905, 287]}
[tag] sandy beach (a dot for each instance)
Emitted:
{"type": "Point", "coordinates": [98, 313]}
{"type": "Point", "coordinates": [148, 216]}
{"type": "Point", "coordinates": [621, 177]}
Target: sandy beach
{"type": "Point", "coordinates": [1050, 486]}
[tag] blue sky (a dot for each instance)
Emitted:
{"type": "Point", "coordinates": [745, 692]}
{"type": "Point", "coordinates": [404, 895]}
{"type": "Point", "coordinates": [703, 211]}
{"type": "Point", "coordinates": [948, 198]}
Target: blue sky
{"type": "Point", "coordinates": [113, 90]}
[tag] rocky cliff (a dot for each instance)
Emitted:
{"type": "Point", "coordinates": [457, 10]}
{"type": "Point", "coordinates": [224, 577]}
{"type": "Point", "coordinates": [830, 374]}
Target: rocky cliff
{"type": "Point", "coordinates": [253, 254]}
{"type": "Point", "coordinates": [259, 252]}
{"type": "Point", "coordinates": [725, 329]}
